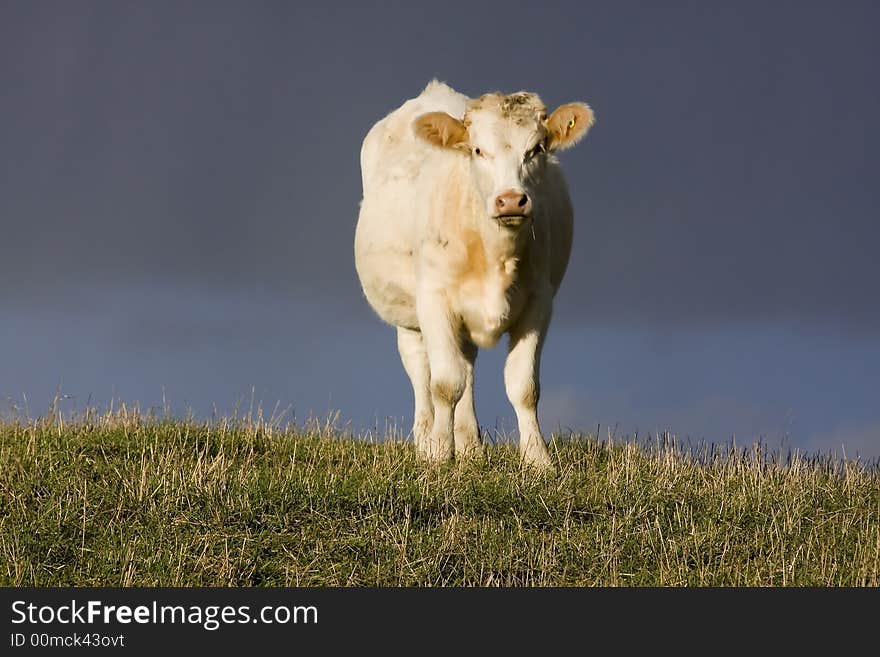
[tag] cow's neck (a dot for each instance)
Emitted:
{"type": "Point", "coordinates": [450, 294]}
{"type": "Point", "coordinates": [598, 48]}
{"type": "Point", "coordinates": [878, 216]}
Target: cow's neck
{"type": "Point", "coordinates": [495, 260]}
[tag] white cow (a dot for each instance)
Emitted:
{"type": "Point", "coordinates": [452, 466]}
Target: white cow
{"type": "Point", "coordinates": [464, 234]}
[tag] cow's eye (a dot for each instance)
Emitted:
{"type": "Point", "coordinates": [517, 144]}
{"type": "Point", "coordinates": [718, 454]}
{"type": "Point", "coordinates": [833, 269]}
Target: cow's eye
{"type": "Point", "coordinates": [478, 152]}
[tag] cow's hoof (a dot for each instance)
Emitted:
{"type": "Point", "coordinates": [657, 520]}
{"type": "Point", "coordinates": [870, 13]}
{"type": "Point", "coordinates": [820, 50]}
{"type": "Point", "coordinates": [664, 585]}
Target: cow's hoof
{"type": "Point", "coordinates": [436, 452]}
{"type": "Point", "coordinates": [468, 445]}
{"type": "Point", "coordinates": [541, 466]}
{"type": "Point", "coordinates": [435, 460]}
{"type": "Point", "coordinates": [536, 457]}
{"type": "Point", "coordinates": [471, 454]}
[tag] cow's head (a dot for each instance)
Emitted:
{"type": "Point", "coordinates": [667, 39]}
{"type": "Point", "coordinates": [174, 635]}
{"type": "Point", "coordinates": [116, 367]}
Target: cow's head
{"type": "Point", "coordinates": [508, 139]}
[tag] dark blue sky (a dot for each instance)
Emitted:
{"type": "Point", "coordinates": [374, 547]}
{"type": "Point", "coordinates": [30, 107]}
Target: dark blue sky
{"type": "Point", "coordinates": [179, 184]}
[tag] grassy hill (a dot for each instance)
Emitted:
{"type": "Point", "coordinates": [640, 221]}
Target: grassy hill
{"type": "Point", "coordinates": [124, 500]}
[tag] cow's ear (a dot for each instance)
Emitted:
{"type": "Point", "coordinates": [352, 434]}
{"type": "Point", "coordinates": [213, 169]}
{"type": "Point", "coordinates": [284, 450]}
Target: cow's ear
{"type": "Point", "coordinates": [568, 125]}
{"type": "Point", "coordinates": [442, 130]}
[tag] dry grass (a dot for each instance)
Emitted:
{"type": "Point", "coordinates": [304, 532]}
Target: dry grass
{"type": "Point", "coordinates": [120, 499]}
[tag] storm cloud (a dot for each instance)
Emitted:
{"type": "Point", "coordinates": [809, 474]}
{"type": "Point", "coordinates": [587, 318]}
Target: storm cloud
{"type": "Point", "coordinates": [187, 174]}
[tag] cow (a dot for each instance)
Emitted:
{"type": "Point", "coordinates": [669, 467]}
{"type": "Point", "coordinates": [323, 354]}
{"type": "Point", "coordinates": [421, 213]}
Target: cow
{"type": "Point", "coordinates": [464, 234]}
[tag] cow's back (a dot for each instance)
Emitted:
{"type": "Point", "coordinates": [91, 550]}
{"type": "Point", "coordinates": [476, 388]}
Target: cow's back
{"type": "Point", "coordinates": [394, 164]}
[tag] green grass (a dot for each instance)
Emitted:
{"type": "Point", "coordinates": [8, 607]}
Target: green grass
{"type": "Point", "coordinates": [125, 500]}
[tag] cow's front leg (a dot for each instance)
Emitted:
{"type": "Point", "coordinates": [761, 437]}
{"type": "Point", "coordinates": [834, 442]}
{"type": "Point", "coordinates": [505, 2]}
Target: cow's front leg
{"type": "Point", "coordinates": [521, 377]}
{"type": "Point", "coordinates": [448, 372]}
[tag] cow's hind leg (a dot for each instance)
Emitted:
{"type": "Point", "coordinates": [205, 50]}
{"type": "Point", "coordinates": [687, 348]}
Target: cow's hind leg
{"type": "Point", "coordinates": [467, 430]}
{"type": "Point", "coordinates": [415, 362]}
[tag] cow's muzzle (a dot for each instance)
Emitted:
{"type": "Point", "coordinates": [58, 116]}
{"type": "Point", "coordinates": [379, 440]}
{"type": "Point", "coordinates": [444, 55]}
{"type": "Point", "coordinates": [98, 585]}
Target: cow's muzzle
{"type": "Point", "coordinates": [513, 208]}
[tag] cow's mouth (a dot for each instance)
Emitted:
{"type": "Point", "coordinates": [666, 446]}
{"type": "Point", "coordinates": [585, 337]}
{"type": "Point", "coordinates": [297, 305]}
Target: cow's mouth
{"type": "Point", "coordinates": [512, 220]}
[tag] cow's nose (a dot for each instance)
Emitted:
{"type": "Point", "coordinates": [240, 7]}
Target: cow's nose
{"type": "Point", "coordinates": [512, 203]}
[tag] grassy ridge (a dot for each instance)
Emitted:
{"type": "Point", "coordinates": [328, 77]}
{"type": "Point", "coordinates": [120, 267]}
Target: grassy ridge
{"type": "Point", "coordinates": [120, 500]}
